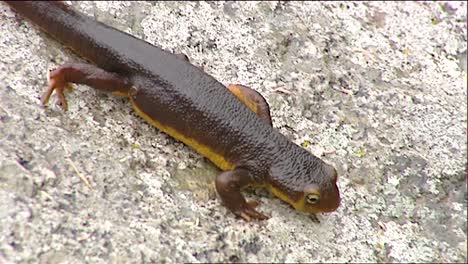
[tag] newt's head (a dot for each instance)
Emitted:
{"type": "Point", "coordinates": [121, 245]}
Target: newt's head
{"type": "Point", "coordinates": [322, 196]}
{"type": "Point", "coordinates": [305, 182]}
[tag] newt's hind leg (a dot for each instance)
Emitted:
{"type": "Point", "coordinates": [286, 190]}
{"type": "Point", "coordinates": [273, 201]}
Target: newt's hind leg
{"type": "Point", "coordinates": [81, 73]}
{"type": "Point", "coordinates": [253, 100]}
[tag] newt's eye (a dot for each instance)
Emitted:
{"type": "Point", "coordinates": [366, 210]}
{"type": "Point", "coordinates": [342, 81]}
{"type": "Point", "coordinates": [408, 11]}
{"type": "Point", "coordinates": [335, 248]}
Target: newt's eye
{"type": "Point", "coordinates": [312, 198]}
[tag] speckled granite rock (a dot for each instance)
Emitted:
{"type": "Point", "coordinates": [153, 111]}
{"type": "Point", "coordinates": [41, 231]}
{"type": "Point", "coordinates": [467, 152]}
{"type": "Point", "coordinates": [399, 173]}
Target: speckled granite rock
{"type": "Point", "coordinates": [378, 89]}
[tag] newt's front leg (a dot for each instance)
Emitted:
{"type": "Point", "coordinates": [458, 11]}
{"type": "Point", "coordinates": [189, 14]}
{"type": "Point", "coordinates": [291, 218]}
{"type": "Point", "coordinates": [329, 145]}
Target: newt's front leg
{"type": "Point", "coordinates": [229, 185]}
{"type": "Point", "coordinates": [253, 100]}
{"type": "Point", "coordinates": [248, 96]}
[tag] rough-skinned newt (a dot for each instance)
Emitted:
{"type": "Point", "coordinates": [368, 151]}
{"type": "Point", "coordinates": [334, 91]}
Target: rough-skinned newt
{"type": "Point", "coordinates": [230, 126]}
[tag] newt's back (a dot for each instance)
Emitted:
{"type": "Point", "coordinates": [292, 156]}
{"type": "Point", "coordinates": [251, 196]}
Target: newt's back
{"type": "Point", "coordinates": [190, 105]}
{"type": "Point", "coordinates": [172, 90]}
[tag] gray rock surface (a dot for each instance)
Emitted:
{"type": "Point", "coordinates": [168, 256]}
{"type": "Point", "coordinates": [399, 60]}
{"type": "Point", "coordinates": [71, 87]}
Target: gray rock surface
{"type": "Point", "coordinates": [376, 88]}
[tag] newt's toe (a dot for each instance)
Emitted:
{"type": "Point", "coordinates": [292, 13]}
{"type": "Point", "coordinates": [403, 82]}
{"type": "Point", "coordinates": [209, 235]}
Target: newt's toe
{"type": "Point", "coordinates": [57, 83]}
{"type": "Point", "coordinates": [248, 212]}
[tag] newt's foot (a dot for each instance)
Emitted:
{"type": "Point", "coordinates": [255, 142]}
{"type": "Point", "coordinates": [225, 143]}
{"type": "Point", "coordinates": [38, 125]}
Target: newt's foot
{"type": "Point", "coordinates": [87, 74]}
{"type": "Point", "coordinates": [248, 212]}
{"type": "Point", "coordinates": [57, 83]}
{"type": "Point", "coordinates": [228, 185]}
{"type": "Point", "coordinates": [314, 218]}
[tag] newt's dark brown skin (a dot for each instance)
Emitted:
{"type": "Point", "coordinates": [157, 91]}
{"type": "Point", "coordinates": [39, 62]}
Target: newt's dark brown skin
{"type": "Point", "coordinates": [231, 127]}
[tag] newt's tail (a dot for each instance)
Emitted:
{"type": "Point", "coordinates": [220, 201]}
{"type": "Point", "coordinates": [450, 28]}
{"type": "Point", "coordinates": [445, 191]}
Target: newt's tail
{"type": "Point", "coordinates": [73, 29]}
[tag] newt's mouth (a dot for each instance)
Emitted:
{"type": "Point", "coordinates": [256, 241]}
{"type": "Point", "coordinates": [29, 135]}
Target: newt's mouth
{"type": "Point", "coordinates": [333, 200]}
